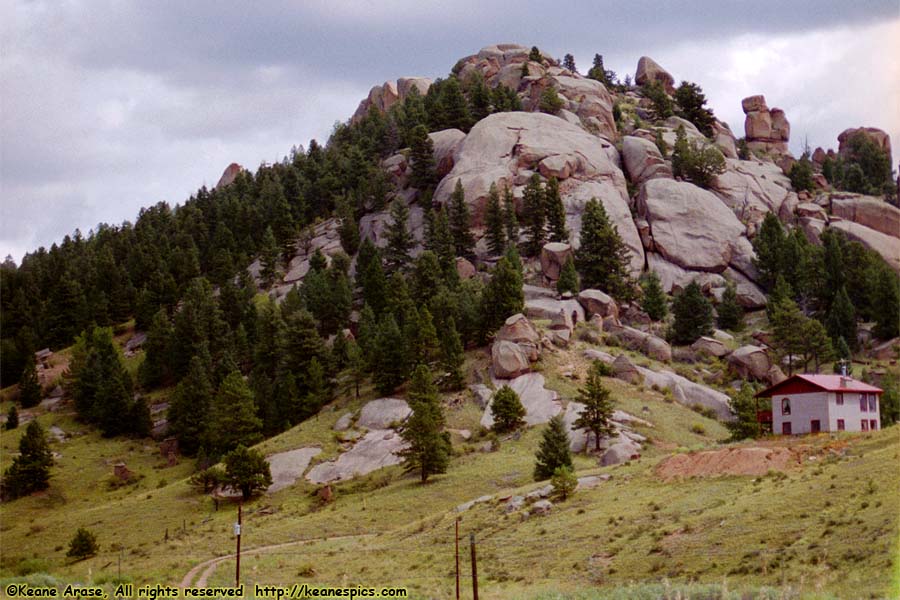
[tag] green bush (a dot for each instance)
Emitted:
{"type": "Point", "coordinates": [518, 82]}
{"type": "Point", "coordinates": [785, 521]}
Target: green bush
{"type": "Point", "coordinates": [564, 482]}
{"type": "Point", "coordinates": [83, 544]}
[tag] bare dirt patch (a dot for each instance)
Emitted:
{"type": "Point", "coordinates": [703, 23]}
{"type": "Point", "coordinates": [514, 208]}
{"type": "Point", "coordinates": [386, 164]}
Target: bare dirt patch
{"type": "Point", "coordinates": [730, 461]}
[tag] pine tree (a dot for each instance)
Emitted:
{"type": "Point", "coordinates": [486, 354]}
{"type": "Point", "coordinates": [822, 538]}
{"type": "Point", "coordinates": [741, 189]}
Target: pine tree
{"type": "Point", "coordinates": [189, 407]}
{"type": "Point", "coordinates": [428, 450]}
{"type": "Point", "coordinates": [348, 229]}
{"type": "Point", "coordinates": [598, 409]}
{"type": "Point", "coordinates": [30, 471]}
{"type": "Point", "coordinates": [502, 298]}
{"type": "Point", "coordinates": [424, 171]}
{"type": "Point", "coordinates": [729, 312]}
{"type": "Point", "coordinates": [816, 345]}
{"type": "Point", "coordinates": [535, 216]}
{"type": "Point", "coordinates": [12, 418]}
{"type": "Point", "coordinates": [479, 97]}
{"type": "Point", "coordinates": [247, 470]}
{"type": "Point", "coordinates": [569, 63]}
{"type": "Point", "coordinates": [886, 296]}
{"type": "Point", "coordinates": [556, 212]}
{"type": "Point", "coordinates": [157, 365]}
{"type": "Point", "coordinates": [370, 276]}
{"type": "Point", "coordinates": [421, 338]}
{"type": "Point", "coordinates": [768, 245]}
{"type": "Point", "coordinates": [603, 259]}
{"type": "Point", "coordinates": [455, 107]}
{"type": "Point", "coordinates": [494, 225]}
{"type": "Point", "coordinates": [232, 417]}
{"type": "Point", "coordinates": [400, 240]}
{"type": "Point", "coordinates": [693, 315]}
{"type": "Point", "coordinates": [553, 451]}
{"type": "Point", "coordinates": [427, 277]}
{"type": "Point", "coordinates": [510, 220]}
{"type": "Point", "coordinates": [356, 366]}
{"type": "Point", "coordinates": [507, 410]}
{"type": "Point", "coordinates": [743, 405]}
{"type": "Point", "coordinates": [83, 544]}
{"type": "Point", "coordinates": [390, 356]}
{"type": "Point", "coordinates": [452, 357]}
{"type": "Point", "coordinates": [654, 301]}
{"type": "Point", "coordinates": [692, 106]}
{"type": "Point", "coordinates": [787, 320]}
{"type": "Point", "coordinates": [29, 386]}
{"type": "Point", "coordinates": [535, 55]}
{"type": "Point", "coordinates": [460, 223]}
{"type": "Point", "coordinates": [269, 256]}
{"type": "Point", "coordinates": [842, 318]}
{"type": "Point", "coordinates": [550, 102]}
{"type": "Point", "coordinates": [568, 278]}
{"type": "Point", "coordinates": [890, 400]}
{"type": "Point", "coordinates": [439, 239]}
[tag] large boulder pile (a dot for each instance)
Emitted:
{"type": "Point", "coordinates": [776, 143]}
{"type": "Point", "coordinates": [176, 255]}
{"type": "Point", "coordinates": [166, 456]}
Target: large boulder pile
{"type": "Point", "coordinates": [766, 130]}
{"type": "Point", "coordinates": [507, 148]}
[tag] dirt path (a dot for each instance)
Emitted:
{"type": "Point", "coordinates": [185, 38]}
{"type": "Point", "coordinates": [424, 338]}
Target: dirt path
{"type": "Point", "coordinates": [207, 568]}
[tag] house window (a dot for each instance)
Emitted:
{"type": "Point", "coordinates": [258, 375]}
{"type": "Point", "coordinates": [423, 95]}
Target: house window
{"type": "Point", "coordinates": [840, 425]}
{"type": "Point", "coordinates": [785, 406]}
{"type": "Point", "coordinates": [840, 398]}
{"type": "Point", "coordinates": [865, 425]}
{"type": "Point", "coordinates": [873, 425]}
{"type": "Point", "coordinates": [815, 426]}
{"type": "Point", "coordinates": [786, 428]}
{"type": "Point", "coordinates": [873, 403]}
{"type": "Point", "coordinates": [863, 404]}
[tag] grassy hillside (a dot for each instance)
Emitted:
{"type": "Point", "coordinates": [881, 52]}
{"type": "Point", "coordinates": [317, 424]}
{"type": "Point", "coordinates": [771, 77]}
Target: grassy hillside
{"type": "Point", "coordinates": [826, 526]}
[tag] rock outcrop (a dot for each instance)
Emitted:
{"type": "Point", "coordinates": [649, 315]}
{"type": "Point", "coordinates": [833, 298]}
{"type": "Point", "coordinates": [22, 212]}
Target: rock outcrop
{"type": "Point", "coordinates": [881, 139]}
{"type": "Point", "coordinates": [751, 362]}
{"type": "Point", "coordinates": [508, 360]}
{"type": "Point", "coordinates": [540, 403]}
{"type": "Point", "coordinates": [376, 450]}
{"type": "Point", "coordinates": [648, 71]}
{"type": "Point", "coordinates": [596, 302]}
{"type": "Point", "coordinates": [868, 211]}
{"type": "Point", "coordinates": [384, 96]}
{"type": "Point", "coordinates": [506, 148]}
{"type": "Point", "coordinates": [752, 188]}
{"type": "Point", "coordinates": [886, 245]}
{"type": "Point", "coordinates": [553, 259]}
{"type": "Point", "coordinates": [766, 130]}
{"type": "Point", "coordinates": [675, 210]}
{"type": "Point", "coordinates": [643, 160]}
{"type": "Point", "coordinates": [383, 413]}
{"type": "Point", "coordinates": [228, 176]}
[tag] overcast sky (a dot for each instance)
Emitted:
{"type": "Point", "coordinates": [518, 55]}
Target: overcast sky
{"type": "Point", "coordinates": [110, 105]}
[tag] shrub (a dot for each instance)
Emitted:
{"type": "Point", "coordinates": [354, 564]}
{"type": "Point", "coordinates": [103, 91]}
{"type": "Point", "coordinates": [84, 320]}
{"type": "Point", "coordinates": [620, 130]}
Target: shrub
{"type": "Point", "coordinates": [564, 482]}
{"type": "Point", "coordinates": [699, 163]}
{"type": "Point", "coordinates": [551, 103]}
{"type": "Point", "coordinates": [801, 174]}
{"type": "Point", "coordinates": [83, 544]}
{"type": "Point", "coordinates": [663, 105]}
{"type": "Point", "coordinates": [507, 410]}
{"type": "Point", "coordinates": [207, 479]}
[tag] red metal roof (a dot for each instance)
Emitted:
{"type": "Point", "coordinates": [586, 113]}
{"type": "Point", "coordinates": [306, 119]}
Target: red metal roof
{"type": "Point", "coordinates": [829, 383]}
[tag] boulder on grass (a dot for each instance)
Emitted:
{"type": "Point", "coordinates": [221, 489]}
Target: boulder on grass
{"type": "Point", "coordinates": [508, 360]}
{"type": "Point", "coordinates": [751, 362]}
{"type": "Point", "coordinates": [596, 302]}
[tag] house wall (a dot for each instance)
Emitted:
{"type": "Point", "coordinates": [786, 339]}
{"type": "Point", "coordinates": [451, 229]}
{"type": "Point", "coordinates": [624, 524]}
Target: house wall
{"type": "Point", "coordinates": [822, 406]}
{"type": "Point", "coordinates": [804, 408]}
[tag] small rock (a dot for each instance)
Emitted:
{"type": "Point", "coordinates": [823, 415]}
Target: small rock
{"type": "Point", "coordinates": [541, 507]}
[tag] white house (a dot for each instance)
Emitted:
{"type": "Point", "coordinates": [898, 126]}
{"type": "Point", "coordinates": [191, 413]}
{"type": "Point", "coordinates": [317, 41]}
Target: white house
{"type": "Point", "coordinates": [814, 403]}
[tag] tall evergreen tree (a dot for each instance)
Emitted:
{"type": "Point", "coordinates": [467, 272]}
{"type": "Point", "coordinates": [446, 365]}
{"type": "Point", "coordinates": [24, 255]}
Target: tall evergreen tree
{"type": "Point", "coordinates": [189, 407]}
{"type": "Point", "coordinates": [743, 405]}
{"type": "Point", "coordinates": [598, 409]}
{"type": "Point", "coordinates": [729, 312]}
{"type": "Point", "coordinates": [400, 240]}
{"type": "Point", "coordinates": [232, 417]}
{"type": "Point", "coordinates": [12, 418]}
{"type": "Point", "coordinates": [439, 239]}
{"type": "Point", "coordinates": [535, 215]}
{"type": "Point", "coordinates": [693, 315]}
{"type": "Point", "coordinates": [428, 450]}
{"type": "Point", "coordinates": [348, 229]}
{"type": "Point", "coordinates": [269, 256]}
{"type": "Point", "coordinates": [479, 97]}
{"type": "Point", "coordinates": [886, 296]}
{"type": "Point", "coordinates": [502, 298]}
{"type": "Point", "coordinates": [452, 357]}
{"type": "Point", "coordinates": [602, 259]}
{"type": "Point", "coordinates": [424, 171]}
{"type": "Point", "coordinates": [390, 356]}
{"type": "Point", "coordinates": [768, 245]}
{"type": "Point", "coordinates": [247, 470]}
{"type": "Point", "coordinates": [510, 220]}
{"type": "Point", "coordinates": [568, 278]}
{"type": "Point", "coordinates": [654, 301]}
{"type": "Point", "coordinates": [842, 318]}
{"type": "Point", "coordinates": [29, 386]}
{"type": "Point", "coordinates": [692, 106]}
{"type": "Point", "coordinates": [455, 107]}
{"type": "Point", "coordinates": [157, 365]}
{"type": "Point", "coordinates": [556, 212]}
{"type": "Point", "coordinates": [553, 451]}
{"type": "Point", "coordinates": [494, 225]}
{"type": "Point", "coordinates": [507, 410]}
{"type": "Point", "coordinates": [30, 471]}
{"type": "Point", "coordinates": [460, 222]}
{"type": "Point", "coordinates": [569, 63]}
